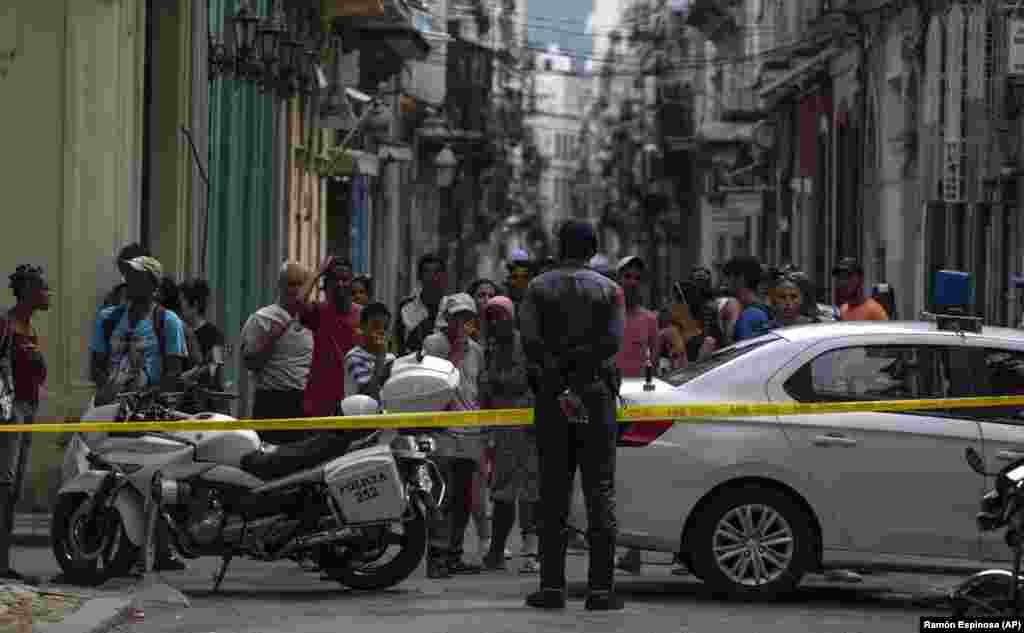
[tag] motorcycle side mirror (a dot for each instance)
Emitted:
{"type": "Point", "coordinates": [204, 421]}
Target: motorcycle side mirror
{"type": "Point", "coordinates": [975, 461]}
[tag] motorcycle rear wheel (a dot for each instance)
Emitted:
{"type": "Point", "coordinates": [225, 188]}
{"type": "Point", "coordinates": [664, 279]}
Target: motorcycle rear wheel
{"type": "Point", "coordinates": [373, 578]}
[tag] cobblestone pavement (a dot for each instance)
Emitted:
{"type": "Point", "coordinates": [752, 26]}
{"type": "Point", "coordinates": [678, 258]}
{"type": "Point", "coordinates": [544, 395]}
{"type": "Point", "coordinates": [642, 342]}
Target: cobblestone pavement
{"type": "Point", "coordinates": [280, 597]}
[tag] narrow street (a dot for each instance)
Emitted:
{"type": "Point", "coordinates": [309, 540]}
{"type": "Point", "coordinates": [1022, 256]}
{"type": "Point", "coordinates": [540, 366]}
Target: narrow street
{"type": "Point", "coordinates": [280, 597]}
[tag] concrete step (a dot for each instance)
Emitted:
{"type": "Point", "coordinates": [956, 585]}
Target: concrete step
{"type": "Point", "coordinates": [31, 529]}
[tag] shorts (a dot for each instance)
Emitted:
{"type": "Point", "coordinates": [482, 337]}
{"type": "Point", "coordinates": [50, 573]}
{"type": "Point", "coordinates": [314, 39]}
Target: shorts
{"type": "Point", "coordinates": [516, 466]}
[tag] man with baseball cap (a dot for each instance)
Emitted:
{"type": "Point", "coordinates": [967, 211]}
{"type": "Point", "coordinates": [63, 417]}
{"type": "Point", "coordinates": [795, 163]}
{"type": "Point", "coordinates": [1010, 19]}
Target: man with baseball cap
{"type": "Point", "coordinates": [854, 304]}
{"type": "Point", "coordinates": [459, 449]}
{"type": "Point", "coordinates": [520, 270]}
{"type": "Point", "coordinates": [138, 345]}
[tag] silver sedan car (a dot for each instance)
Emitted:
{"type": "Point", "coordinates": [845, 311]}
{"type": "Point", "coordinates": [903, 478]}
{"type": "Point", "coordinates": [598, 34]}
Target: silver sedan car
{"type": "Point", "coordinates": [753, 504]}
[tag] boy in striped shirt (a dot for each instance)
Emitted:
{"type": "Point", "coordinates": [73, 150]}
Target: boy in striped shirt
{"type": "Point", "coordinates": [368, 365]}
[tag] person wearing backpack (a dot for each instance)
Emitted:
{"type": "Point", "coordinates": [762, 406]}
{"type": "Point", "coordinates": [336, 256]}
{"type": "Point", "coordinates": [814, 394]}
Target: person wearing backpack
{"type": "Point", "coordinates": [745, 275]}
{"type": "Point", "coordinates": [138, 344]}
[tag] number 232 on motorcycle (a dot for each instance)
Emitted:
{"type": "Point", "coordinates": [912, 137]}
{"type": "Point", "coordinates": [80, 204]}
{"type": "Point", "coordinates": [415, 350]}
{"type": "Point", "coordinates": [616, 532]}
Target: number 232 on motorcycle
{"type": "Point", "coordinates": [364, 488]}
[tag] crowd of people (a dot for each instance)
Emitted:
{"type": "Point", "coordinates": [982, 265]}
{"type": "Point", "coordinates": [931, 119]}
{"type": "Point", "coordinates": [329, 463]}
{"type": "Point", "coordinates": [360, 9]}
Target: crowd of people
{"type": "Point", "coordinates": [326, 336]}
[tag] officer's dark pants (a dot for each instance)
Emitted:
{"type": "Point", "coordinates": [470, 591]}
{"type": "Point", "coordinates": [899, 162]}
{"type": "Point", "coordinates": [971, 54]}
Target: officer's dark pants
{"type": "Point", "coordinates": [563, 446]}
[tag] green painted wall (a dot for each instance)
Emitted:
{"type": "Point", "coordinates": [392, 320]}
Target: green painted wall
{"type": "Point", "coordinates": [242, 221]}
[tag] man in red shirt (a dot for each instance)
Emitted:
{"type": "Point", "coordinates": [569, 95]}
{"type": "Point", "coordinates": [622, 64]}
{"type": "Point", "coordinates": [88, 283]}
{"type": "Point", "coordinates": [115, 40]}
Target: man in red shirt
{"type": "Point", "coordinates": [335, 327]}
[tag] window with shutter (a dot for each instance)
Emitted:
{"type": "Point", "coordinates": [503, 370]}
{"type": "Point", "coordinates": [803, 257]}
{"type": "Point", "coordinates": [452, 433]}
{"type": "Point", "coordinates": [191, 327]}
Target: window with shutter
{"type": "Point", "coordinates": [991, 44]}
{"type": "Point", "coordinates": [953, 143]}
{"type": "Point", "coordinates": [930, 112]}
{"type": "Point", "coordinates": [809, 13]}
{"type": "Point", "coordinates": [975, 115]}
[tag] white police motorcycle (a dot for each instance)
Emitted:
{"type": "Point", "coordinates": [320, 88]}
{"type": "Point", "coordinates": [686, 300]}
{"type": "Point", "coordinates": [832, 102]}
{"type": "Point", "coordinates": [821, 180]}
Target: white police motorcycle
{"type": "Point", "coordinates": [340, 501]}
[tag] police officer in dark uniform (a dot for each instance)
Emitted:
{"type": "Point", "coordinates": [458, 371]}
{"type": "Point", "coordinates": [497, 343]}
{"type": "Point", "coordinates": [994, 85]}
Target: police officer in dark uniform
{"type": "Point", "coordinates": [572, 321]}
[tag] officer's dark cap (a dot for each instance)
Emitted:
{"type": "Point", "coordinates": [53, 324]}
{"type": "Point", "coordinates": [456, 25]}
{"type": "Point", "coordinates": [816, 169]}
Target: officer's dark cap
{"type": "Point", "coordinates": [577, 240]}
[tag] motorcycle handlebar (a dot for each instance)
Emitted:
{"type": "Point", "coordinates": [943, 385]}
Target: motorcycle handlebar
{"type": "Point", "coordinates": [178, 395]}
{"type": "Point", "coordinates": [220, 395]}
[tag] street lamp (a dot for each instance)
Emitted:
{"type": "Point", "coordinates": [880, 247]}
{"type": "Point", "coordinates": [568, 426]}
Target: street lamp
{"type": "Point", "coordinates": [270, 36]}
{"type": "Point", "coordinates": [280, 52]}
{"type": "Point", "coordinates": [446, 164]}
{"type": "Point", "coordinates": [289, 58]}
{"type": "Point", "coordinates": [245, 24]}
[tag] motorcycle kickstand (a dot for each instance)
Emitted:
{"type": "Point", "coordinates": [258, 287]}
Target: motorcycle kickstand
{"type": "Point", "coordinates": [222, 571]}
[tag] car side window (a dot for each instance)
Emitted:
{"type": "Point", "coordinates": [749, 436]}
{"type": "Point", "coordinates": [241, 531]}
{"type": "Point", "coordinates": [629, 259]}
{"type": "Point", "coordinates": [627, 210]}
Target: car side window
{"type": "Point", "coordinates": [874, 372]}
{"type": "Point", "coordinates": [998, 372]}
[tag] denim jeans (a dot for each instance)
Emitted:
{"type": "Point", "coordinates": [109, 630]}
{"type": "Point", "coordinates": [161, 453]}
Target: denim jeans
{"type": "Point", "coordinates": [14, 454]}
{"type": "Point", "coordinates": [448, 531]}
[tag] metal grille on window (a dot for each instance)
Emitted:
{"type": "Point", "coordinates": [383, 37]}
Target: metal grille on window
{"type": "Point", "coordinates": [953, 153]}
{"type": "Point", "coordinates": [932, 107]}
{"type": "Point", "coordinates": [975, 110]}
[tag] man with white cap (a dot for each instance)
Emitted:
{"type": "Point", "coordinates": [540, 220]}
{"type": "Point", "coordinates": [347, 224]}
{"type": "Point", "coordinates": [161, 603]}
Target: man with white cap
{"type": "Point", "coordinates": [602, 264]}
{"type": "Point", "coordinates": [520, 271]}
{"type": "Point", "coordinates": [460, 449]}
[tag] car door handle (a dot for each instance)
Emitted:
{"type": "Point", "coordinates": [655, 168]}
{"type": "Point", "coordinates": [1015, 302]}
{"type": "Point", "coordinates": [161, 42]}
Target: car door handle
{"type": "Point", "coordinates": [1009, 456]}
{"type": "Point", "coordinates": [834, 439]}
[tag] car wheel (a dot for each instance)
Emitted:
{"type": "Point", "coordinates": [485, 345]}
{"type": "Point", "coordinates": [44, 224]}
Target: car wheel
{"type": "Point", "coordinates": [752, 542]}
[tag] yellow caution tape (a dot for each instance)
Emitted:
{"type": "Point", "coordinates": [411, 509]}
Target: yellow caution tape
{"type": "Point", "coordinates": [524, 417]}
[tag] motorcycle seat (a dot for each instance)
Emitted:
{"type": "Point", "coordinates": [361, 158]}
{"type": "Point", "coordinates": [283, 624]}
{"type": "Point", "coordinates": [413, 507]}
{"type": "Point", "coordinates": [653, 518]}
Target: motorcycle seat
{"type": "Point", "coordinates": [293, 457]}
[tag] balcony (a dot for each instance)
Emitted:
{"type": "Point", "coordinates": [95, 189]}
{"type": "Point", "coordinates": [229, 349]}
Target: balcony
{"type": "Point", "coordinates": [386, 39]}
{"type": "Point", "coordinates": [716, 19]}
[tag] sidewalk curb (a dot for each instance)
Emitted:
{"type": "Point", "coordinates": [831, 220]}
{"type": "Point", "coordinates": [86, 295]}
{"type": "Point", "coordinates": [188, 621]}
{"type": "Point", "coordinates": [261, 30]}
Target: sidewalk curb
{"type": "Point", "coordinates": [98, 615]}
{"type": "Point", "coordinates": [30, 540]}
{"type": "Point", "coordinates": [31, 530]}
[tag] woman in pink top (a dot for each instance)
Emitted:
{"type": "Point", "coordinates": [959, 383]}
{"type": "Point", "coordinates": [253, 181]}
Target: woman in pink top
{"type": "Point", "coordinates": [640, 342]}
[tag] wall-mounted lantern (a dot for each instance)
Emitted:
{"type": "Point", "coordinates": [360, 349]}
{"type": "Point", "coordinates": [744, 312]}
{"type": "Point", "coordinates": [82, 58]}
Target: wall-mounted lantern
{"type": "Point", "coordinates": [446, 164]}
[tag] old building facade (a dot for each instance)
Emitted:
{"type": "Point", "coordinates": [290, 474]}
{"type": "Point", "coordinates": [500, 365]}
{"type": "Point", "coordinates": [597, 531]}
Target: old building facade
{"type": "Point", "coordinates": [884, 130]}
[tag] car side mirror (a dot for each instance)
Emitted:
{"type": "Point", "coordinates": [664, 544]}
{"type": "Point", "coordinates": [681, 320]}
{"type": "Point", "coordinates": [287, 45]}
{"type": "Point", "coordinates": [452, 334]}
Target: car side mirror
{"type": "Point", "coordinates": [974, 461]}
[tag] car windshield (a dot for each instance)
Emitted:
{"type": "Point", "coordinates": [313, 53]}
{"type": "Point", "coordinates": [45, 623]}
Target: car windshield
{"type": "Point", "coordinates": [719, 358]}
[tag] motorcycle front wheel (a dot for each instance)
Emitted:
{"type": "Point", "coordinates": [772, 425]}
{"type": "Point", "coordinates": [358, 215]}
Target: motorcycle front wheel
{"type": "Point", "coordinates": [89, 551]}
{"type": "Point", "coordinates": [985, 594]}
{"type": "Point", "coordinates": [362, 570]}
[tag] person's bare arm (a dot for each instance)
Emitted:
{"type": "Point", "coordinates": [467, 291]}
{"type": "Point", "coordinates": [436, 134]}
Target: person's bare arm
{"type": "Point", "coordinates": [256, 355]}
{"type": "Point", "coordinates": [311, 284]}
{"type": "Point", "coordinates": [171, 373]}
